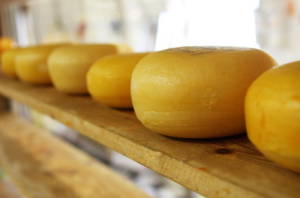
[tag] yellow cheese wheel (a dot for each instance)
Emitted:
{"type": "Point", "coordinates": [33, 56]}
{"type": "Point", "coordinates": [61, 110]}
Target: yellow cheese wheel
{"type": "Point", "coordinates": [108, 79]}
{"type": "Point", "coordinates": [6, 44]}
{"type": "Point", "coordinates": [196, 92]}
{"type": "Point", "coordinates": [31, 64]}
{"type": "Point", "coordinates": [272, 109]}
{"type": "Point", "coordinates": [8, 62]}
{"type": "Point", "coordinates": [68, 66]}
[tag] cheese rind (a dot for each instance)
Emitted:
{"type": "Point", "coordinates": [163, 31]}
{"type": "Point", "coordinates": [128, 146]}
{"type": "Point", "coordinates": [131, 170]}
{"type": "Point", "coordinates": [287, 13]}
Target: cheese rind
{"type": "Point", "coordinates": [31, 64]}
{"type": "Point", "coordinates": [69, 65]}
{"type": "Point", "coordinates": [109, 79]}
{"type": "Point", "coordinates": [272, 109]}
{"type": "Point", "coordinates": [196, 92]}
{"type": "Point", "coordinates": [8, 62]}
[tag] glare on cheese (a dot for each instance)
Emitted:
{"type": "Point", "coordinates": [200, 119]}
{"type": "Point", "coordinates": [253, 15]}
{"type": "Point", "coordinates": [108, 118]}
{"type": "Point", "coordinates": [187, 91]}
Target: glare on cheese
{"type": "Point", "coordinates": [69, 65]}
{"type": "Point", "coordinates": [8, 62]}
{"type": "Point", "coordinates": [272, 111]}
{"type": "Point", "coordinates": [109, 79]}
{"type": "Point", "coordinates": [196, 92]}
{"type": "Point", "coordinates": [31, 64]}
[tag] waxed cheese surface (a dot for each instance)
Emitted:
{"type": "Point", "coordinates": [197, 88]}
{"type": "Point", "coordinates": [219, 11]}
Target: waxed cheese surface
{"type": "Point", "coordinates": [272, 110]}
{"type": "Point", "coordinates": [8, 62]}
{"type": "Point", "coordinates": [31, 64]}
{"type": "Point", "coordinates": [109, 79]}
{"type": "Point", "coordinates": [69, 65]}
{"type": "Point", "coordinates": [196, 92]}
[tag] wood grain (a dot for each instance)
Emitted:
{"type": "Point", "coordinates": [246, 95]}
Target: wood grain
{"type": "Point", "coordinates": [8, 189]}
{"type": "Point", "coordinates": [12, 1]}
{"type": "Point", "coordinates": [226, 167]}
{"type": "Point", "coordinates": [3, 103]}
{"type": "Point", "coordinates": [46, 167]}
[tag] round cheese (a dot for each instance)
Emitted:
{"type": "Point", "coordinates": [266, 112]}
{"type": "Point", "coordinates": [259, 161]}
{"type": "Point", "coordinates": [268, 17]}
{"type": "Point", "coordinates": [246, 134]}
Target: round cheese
{"type": "Point", "coordinates": [31, 64]}
{"type": "Point", "coordinates": [108, 79]}
{"type": "Point", "coordinates": [8, 62]}
{"type": "Point", "coordinates": [196, 92]}
{"type": "Point", "coordinates": [69, 65]}
{"type": "Point", "coordinates": [6, 44]}
{"type": "Point", "coordinates": [272, 109]}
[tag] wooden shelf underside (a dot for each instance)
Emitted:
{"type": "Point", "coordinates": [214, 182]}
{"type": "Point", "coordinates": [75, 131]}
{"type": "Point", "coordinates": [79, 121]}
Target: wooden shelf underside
{"type": "Point", "coordinates": [224, 167]}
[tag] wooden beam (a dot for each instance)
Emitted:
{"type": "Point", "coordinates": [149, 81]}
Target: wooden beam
{"type": "Point", "coordinates": [46, 167]}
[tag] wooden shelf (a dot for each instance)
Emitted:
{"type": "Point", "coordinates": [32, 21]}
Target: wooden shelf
{"type": "Point", "coordinates": [44, 166]}
{"type": "Point", "coordinates": [225, 167]}
{"type": "Point", "coordinates": [8, 189]}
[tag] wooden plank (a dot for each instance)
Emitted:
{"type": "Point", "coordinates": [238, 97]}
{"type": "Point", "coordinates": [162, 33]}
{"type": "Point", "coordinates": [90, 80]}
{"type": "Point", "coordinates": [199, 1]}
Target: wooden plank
{"type": "Point", "coordinates": [7, 188]}
{"type": "Point", "coordinates": [46, 167]}
{"type": "Point", "coordinates": [12, 1]}
{"type": "Point", "coordinates": [3, 103]}
{"type": "Point", "coordinates": [225, 167]}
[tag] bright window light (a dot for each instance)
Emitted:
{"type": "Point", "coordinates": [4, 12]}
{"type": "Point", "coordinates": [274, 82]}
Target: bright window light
{"type": "Point", "coordinates": [213, 22]}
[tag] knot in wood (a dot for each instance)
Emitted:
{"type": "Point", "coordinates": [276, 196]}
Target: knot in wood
{"type": "Point", "coordinates": [223, 151]}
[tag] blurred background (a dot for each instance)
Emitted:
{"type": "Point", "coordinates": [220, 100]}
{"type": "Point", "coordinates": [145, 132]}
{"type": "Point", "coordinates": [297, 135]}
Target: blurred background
{"type": "Point", "coordinates": [149, 25]}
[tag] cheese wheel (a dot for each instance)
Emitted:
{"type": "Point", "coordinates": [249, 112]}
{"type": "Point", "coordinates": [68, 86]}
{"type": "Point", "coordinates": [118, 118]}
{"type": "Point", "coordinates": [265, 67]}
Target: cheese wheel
{"type": "Point", "coordinates": [196, 92]}
{"type": "Point", "coordinates": [8, 62]}
{"type": "Point", "coordinates": [69, 65]}
{"type": "Point", "coordinates": [272, 109]}
{"type": "Point", "coordinates": [6, 44]}
{"type": "Point", "coordinates": [108, 79]}
{"type": "Point", "coordinates": [31, 64]}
